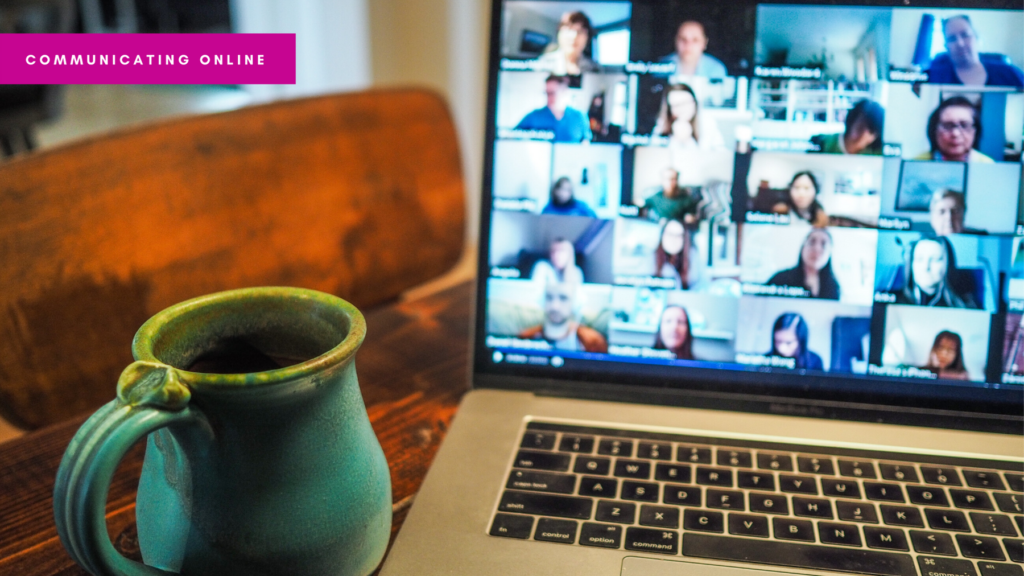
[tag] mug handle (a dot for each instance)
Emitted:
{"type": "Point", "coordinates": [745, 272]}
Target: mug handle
{"type": "Point", "coordinates": [149, 397]}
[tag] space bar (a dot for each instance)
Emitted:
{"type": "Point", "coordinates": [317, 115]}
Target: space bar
{"type": "Point", "coordinates": [858, 561]}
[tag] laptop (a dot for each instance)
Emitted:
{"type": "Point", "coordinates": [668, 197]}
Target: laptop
{"type": "Point", "coordinates": [750, 296]}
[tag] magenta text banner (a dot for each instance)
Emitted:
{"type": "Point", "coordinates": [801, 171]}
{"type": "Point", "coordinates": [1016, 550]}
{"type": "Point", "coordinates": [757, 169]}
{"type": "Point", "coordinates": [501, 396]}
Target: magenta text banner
{"type": "Point", "coordinates": [147, 59]}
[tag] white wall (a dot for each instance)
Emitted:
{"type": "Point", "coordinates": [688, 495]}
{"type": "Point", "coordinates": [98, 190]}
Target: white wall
{"type": "Point", "coordinates": [999, 31]}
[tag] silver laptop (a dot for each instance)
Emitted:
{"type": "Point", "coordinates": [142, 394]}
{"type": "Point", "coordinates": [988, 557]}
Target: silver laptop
{"type": "Point", "coordinates": [750, 296]}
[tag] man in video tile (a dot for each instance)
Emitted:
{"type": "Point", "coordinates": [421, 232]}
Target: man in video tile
{"type": "Point", "coordinates": [672, 201]}
{"type": "Point", "coordinates": [560, 327]}
{"type": "Point", "coordinates": [568, 124]}
{"type": "Point", "coordinates": [963, 64]}
{"type": "Point", "coordinates": [864, 125]}
{"type": "Point", "coordinates": [946, 212]}
{"type": "Point", "coordinates": [690, 57]}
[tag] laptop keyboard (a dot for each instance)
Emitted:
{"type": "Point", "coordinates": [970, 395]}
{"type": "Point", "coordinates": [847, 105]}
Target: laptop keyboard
{"type": "Point", "coordinates": [809, 507]}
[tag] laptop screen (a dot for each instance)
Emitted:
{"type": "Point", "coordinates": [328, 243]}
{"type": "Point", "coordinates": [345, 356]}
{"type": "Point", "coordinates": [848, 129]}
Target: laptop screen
{"type": "Point", "coordinates": [798, 199]}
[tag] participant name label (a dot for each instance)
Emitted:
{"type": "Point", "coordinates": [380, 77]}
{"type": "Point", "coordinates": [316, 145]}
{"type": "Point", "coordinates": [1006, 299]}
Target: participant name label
{"type": "Point", "coordinates": [887, 223]}
{"type": "Point", "coordinates": [515, 204]}
{"type": "Point", "coordinates": [768, 361]}
{"type": "Point", "coordinates": [767, 290]}
{"type": "Point", "coordinates": [767, 218]}
{"type": "Point", "coordinates": [901, 372]}
{"type": "Point", "coordinates": [787, 72]}
{"type": "Point", "coordinates": [907, 76]}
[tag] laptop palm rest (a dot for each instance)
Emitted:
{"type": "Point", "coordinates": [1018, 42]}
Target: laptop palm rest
{"type": "Point", "coordinates": [634, 566]}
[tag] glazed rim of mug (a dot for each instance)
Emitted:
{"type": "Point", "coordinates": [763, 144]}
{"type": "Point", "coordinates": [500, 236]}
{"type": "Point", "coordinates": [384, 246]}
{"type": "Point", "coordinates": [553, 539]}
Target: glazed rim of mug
{"type": "Point", "coordinates": [170, 336]}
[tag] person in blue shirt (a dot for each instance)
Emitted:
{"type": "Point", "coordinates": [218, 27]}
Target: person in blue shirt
{"type": "Point", "coordinates": [690, 57]}
{"type": "Point", "coordinates": [568, 124]}
{"type": "Point", "coordinates": [564, 203]}
{"type": "Point", "coordinates": [963, 64]}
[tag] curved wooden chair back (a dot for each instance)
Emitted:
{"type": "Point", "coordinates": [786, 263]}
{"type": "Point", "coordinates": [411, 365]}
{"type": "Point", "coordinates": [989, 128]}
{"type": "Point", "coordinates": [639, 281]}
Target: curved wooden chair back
{"type": "Point", "coordinates": [359, 195]}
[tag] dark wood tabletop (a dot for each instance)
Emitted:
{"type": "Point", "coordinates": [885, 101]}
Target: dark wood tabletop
{"type": "Point", "coordinates": [413, 370]}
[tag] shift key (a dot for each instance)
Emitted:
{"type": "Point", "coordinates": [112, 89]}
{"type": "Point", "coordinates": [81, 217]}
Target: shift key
{"type": "Point", "coordinates": [542, 461]}
{"type": "Point", "coordinates": [545, 505]}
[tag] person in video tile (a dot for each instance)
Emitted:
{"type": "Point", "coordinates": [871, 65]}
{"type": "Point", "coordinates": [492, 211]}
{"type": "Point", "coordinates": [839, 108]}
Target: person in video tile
{"type": "Point", "coordinates": [802, 201]}
{"type": "Point", "coordinates": [674, 333]}
{"type": "Point", "coordinates": [679, 120]}
{"type": "Point", "coordinates": [568, 55]}
{"type": "Point", "coordinates": [946, 211]}
{"type": "Point", "coordinates": [954, 130]}
{"type": "Point", "coordinates": [672, 202]}
{"type": "Point", "coordinates": [690, 57]}
{"type": "Point", "coordinates": [946, 359]}
{"type": "Point", "coordinates": [562, 202]}
{"type": "Point", "coordinates": [931, 273]}
{"type": "Point", "coordinates": [568, 124]}
{"type": "Point", "coordinates": [560, 327]}
{"type": "Point", "coordinates": [789, 340]}
{"type": "Point", "coordinates": [670, 258]}
{"type": "Point", "coordinates": [560, 265]}
{"type": "Point", "coordinates": [813, 271]}
{"type": "Point", "coordinates": [864, 125]}
{"type": "Point", "coordinates": [963, 64]}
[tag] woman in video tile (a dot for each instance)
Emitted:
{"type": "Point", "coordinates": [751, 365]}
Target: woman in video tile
{"type": "Point", "coordinates": [569, 54]}
{"type": "Point", "coordinates": [789, 340]}
{"type": "Point", "coordinates": [560, 265]}
{"type": "Point", "coordinates": [691, 57]}
{"type": "Point", "coordinates": [933, 278]}
{"type": "Point", "coordinates": [670, 258]}
{"type": "Point", "coordinates": [674, 333]}
{"type": "Point", "coordinates": [954, 130]}
{"type": "Point", "coordinates": [946, 359]}
{"type": "Point", "coordinates": [813, 272]}
{"type": "Point", "coordinates": [802, 201]}
{"type": "Point", "coordinates": [679, 120]}
{"type": "Point", "coordinates": [864, 125]}
{"type": "Point", "coordinates": [963, 64]}
{"type": "Point", "coordinates": [562, 202]}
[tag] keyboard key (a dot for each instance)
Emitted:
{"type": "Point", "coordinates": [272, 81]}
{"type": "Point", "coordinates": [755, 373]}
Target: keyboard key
{"type": "Point", "coordinates": [815, 465]}
{"type": "Point", "coordinates": [619, 512]}
{"type": "Point", "coordinates": [542, 461]}
{"type": "Point", "coordinates": [932, 543]}
{"type": "Point", "coordinates": [703, 521]}
{"type": "Point", "coordinates": [639, 491]}
{"type": "Point", "coordinates": [682, 495]}
{"type": "Point", "coordinates": [771, 461]}
{"type": "Point", "coordinates": [600, 487]}
{"type": "Point", "coordinates": [983, 479]}
{"type": "Point", "coordinates": [970, 499]}
{"type": "Point", "coordinates": [947, 520]}
{"type": "Point", "coordinates": [812, 507]}
{"type": "Point", "coordinates": [945, 567]}
{"type": "Point", "coordinates": [615, 447]}
{"type": "Point", "coordinates": [654, 450]}
{"type": "Point", "coordinates": [1014, 481]}
{"type": "Point", "coordinates": [632, 469]}
{"type": "Point", "coordinates": [512, 526]}
{"type": "Point", "coordinates": [748, 525]}
{"type": "Point", "coordinates": [1014, 549]}
{"type": "Point", "coordinates": [790, 529]}
{"type": "Point", "coordinates": [901, 516]}
{"type": "Point", "coordinates": [980, 547]}
{"type": "Point", "coordinates": [577, 444]}
{"type": "Point", "coordinates": [943, 476]}
{"type": "Point", "coordinates": [883, 492]}
{"type": "Point", "coordinates": [834, 533]}
{"type": "Point", "coordinates": [999, 569]}
{"type": "Point", "coordinates": [672, 472]}
{"type": "Point", "coordinates": [600, 535]}
{"type": "Point", "coordinates": [756, 480]}
{"type": "Point", "coordinates": [768, 503]}
{"type": "Point", "coordinates": [725, 499]}
{"type": "Point", "coordinates": [927, 496]}
{"type": "Point", "coordinates": [659, 516]}
{"type": "Point", "coordinates": [840, 488]}
{"type": "Point", "coordinates": [798, 484]}
{"type": "Point", "coordinates": [538, 441]}
{"type": "Point", "coordinates": [541, 482]}
{"type": "Point", "coordinates": [791, 554]}
{"type": "Point", "coordinates": [992, 524]}
{"type": "Point", "coordinates": [898, 472]}
{"type": "Point", "coordinates": [885, 538]}
{"type": "Point", "coordinates": [545, 504]}
{"type": "Point", "coordinates": [1020, 523]}
{"type": "Point", "coordinates": [550, 530]}
{"type": "Point", "coordinates": [857, 469]}
{"type": "Point", "coordinates": [856, 512]}
{"type": "Point", "coordinates": [586, 465]}
{"type": "Point", "coordinates": [740, 458]}
{"type": "Point", "coordinates": [693, 454]}
{"type": "Point", "coordinates": [714, 476]}
{"type": "Point", "coordinates": [648, 540]}
{"type": "Point", "coordinates": [1009, 502]}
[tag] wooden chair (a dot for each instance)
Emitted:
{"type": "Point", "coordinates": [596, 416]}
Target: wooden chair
{"type": "Point", "coordinates": [359, 195]}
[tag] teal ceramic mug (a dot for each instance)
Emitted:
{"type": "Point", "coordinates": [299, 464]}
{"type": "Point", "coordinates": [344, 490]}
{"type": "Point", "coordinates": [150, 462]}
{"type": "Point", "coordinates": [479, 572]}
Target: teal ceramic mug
{"type": "Point", "coordinates": [260, 458]}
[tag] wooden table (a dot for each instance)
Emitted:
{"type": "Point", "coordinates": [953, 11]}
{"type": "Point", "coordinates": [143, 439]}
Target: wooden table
{"type": "Point", "coordinates": [413, 370]}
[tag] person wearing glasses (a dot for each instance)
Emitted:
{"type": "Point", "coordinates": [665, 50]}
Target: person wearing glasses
{"type": "Point", "coordinates": [963, 64]}
{"type": "Point", "coordinates": [954, 131]}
